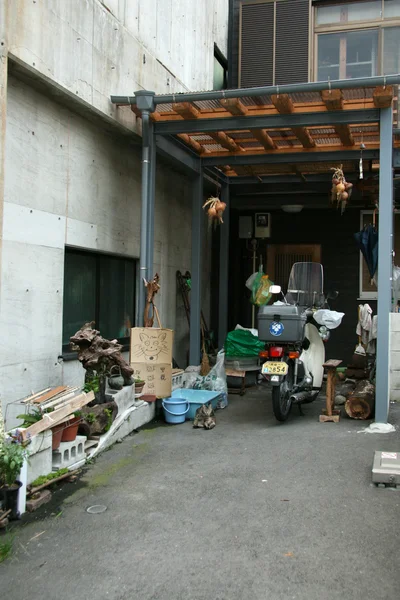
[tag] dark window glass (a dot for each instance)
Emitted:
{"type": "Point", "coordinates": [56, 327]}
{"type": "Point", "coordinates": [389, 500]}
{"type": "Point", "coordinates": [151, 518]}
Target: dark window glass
{"type": "Point", "coordinates": [98, 288]}
{"type": "Point", "coordinates": [348, 55]}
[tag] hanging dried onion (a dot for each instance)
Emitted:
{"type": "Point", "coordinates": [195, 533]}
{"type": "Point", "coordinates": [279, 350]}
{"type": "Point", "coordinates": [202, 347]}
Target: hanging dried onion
{"type": "Point", "coordinates": [341, 189]}
{"type": "Point", "coordinates": [215, 209]}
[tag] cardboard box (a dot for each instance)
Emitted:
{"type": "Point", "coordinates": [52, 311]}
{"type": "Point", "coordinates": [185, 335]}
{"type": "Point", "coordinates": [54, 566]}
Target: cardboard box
{"type": "Point", "coordinates": [151, 359]}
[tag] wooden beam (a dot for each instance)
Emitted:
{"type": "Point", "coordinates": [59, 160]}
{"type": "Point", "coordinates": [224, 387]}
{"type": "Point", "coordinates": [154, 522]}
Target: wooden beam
{"type": "Point", "coordinates": [154, 116]}
{"type": "Point", "coordinates": [265, 140]}
{"type": "Point", "coordinates": [225, 141]}
{"type": "Point", "coordinates": [193, 143]}
{"type": "Point", "coordinates": [234, 106]}
{"type": "Point", "coordinates": [186, 110]}
{"type": "Point", "coordinates": [284, 106]}
{"type": "Point", "coordinates": [333, 100]}
{"type": "Point", "coordinates": [383, 96]}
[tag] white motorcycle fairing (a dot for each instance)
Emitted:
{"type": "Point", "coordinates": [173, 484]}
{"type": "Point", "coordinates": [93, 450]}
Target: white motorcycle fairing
{"type": "Point", "coordinates": [314, 357]}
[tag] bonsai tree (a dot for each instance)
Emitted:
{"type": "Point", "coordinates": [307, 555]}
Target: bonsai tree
{"type": "Point", "coordinates": [12, 456]}
{"type": "Point", "coordinates": [99, 355]}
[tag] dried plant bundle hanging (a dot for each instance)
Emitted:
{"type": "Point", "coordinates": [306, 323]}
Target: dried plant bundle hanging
{"type": "Point", "coordinates": [341, 189]}
{"type": "Point", "coordinates": [215, 209]}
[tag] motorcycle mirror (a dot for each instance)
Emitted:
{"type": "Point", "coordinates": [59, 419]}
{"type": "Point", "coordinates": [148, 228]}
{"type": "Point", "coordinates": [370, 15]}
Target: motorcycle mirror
{"type": "Point", "coordinates": [275, 289]}
{"type": "Point", "coordinates": [332, 295]}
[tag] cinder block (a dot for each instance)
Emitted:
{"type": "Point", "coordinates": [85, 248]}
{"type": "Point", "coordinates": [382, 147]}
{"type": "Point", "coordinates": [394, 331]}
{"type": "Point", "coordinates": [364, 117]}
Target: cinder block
{"type": "Point", "coordinates": [395, 395]}
{"type": "Point", "coordinates": [395, 341]}
{"type": "Point", "coordinates": [69, 453]}
{"type": "Point", "coordinates": [395, 361]}
{"type": "Point", "coordinates": [34, 503]}
{"type": "Point", "coordinates": [394, 321]}
{"type": "Point", "coordinates": [395, 380]}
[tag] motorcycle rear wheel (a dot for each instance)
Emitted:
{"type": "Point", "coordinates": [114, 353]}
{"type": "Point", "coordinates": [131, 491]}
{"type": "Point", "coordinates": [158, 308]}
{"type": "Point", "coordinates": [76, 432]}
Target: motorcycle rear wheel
{"type": "Point", "coordinates": [281, 402]}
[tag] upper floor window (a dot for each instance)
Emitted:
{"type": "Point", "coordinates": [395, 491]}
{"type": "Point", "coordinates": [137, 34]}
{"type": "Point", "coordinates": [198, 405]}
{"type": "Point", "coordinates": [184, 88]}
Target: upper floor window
{"type": "Point", "coordinates": [350, 12]}
{"type": "Point", "coordinates": [357, 39]}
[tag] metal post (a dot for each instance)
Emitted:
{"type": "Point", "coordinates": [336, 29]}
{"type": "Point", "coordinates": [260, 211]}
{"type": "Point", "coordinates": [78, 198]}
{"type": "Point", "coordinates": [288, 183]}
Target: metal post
{"type": "Point", "coordinates": [385, 259]}
{"type": "Point", "coordinates": [145, 102]}
{"type": "Point", "coordinates": [223, 269]}
{"type": "Point", "coordinates": [196, 270]}
{"type": "Point", "coordinates": [151, 204]}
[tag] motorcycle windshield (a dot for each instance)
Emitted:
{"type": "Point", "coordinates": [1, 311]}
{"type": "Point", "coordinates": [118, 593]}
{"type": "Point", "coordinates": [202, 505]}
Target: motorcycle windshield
{"type": "Point", "coordinates": [306, 284]}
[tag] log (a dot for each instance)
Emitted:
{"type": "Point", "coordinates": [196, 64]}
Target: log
{"type": "Point", "coordinates": [361, 403]}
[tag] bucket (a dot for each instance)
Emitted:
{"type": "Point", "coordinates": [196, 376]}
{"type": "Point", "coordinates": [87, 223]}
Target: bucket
{"type": "Point", "coordinates": [175, 410]}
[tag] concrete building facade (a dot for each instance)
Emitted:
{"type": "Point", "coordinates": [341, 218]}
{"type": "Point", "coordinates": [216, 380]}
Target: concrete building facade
{"type": "Point", "coordinates": [70, 173]}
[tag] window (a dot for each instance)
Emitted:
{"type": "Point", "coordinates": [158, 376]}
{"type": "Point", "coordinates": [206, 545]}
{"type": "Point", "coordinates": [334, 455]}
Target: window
{"type": "Point", "coordinates": [347, 55]}
{"type": "Point", "coordinates": [100, 288]}
{"type": "Point", "coordinates": [357, 39]}
{"type": "Point", "coordinates": [220, 81]}
{"type": "Point", "coordinates": [368, 290]}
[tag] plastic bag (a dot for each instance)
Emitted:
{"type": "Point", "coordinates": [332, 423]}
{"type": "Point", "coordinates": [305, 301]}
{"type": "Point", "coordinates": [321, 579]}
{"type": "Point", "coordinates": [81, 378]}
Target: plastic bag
{"type": "Point", "coordinates": [215, 381]}
{"type": "Point", "coordinates": [242, 342]}
{"type": "Point", "coordinates": [250, 281]}
{"type": "Point", "coordinates": [330, 318]}
{"type": "Point", "coordinates": [253, 331]}
{"type": "Point", "coordinates": [260, 292]}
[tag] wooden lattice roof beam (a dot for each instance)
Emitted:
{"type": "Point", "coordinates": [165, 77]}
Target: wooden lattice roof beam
{"type": "Point", "coordinates": [187, 111]}
{"type": "Point", "coordinates": [333, 100]}
{"type": "Point", "coordinates": [193, 143]}
{"type": "Point", "coordinates": [383, 96]}
{"type": "Point", "coordinates": [265, 140]}
{"type": "Point", "coordinates": [284, 106]}
{"type": "Point", "coordinates": [234, 106]}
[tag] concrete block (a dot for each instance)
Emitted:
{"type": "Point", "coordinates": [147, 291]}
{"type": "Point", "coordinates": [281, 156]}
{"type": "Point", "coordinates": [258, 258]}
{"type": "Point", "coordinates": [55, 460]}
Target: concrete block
{"type": "Point", "coordinates": [395, 380]}
{"type": "Point", "coordinates": [394, 395]}
{"type": "Point", "coordinates": [69, 453]}
{"type": "Point", "coordinates": [124, 398]}
{"type": "Point", "coordinates": [395, 341]}
{"type": "Point", "coordinates": [395, 360]}
{"type": "Point", "coordinates": [34, 503]}
{"type": "Point", "coordinates": [395, 321]}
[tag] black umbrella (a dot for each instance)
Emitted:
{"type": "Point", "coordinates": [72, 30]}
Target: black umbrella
{"type": "Point", "coordinates": [367, 241]}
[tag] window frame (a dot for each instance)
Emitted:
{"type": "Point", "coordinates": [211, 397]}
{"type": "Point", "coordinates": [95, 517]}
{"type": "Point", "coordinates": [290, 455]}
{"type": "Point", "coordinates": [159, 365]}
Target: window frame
{"type": "Point", "coordinates": [67, 353]}
{"type": "Point", "coordinates": [362, 25]}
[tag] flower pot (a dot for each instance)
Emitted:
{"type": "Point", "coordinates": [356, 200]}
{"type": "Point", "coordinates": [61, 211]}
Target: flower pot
{"type": "Point", "coordinates": [71, 430]}
{"type": "Point", "coordinates": [139, 387]}
{"type": "Point", "coordinates": [9, 498]}
{"type": "Point", "coordinates": [57, 435]}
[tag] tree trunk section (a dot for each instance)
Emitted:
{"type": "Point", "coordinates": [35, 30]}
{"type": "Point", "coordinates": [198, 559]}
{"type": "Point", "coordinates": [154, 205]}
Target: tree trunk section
{"type": "Point", "coordinates": [361, 403]}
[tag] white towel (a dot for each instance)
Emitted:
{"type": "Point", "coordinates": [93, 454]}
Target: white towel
{"type": "Point", "coordinates": [364, 322]}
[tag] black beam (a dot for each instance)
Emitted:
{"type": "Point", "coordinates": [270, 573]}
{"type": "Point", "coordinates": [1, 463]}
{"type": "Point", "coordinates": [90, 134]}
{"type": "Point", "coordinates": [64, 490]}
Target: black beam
{"type": "Point", "coordinates": [290, 178]}
{"type": "Point", "coordinates": [341, 117]}
{"type": "Point", "coordinates": [180, 155]}
{"type": "Point", "coordinates": [337, 156]}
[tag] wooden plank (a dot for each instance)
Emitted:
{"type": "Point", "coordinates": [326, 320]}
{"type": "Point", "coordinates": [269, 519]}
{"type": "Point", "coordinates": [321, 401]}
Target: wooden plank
{"type": "Point", "coordinates": [234, 106]}
{"type": "Point", "coordinates": [61, 400]}
{"type": "Point", "coordinates": [30, 398]}
{"type": "Point", "coordinates": [333, 100]}
{"type": "Point", "coordinates": [186, 110]}
{"type": "Point", "coordinates": [284, 106]}
{"type": "Point", "coordinates": [32, 491]}
{"type": "Point", "coordinates": [193, 143]}
{"type": "Point", "coordinates": [235, 373]}
{"type": "Point", "coordinates": [51, 394]}
{"type": "Point", "coordinates": [54, 418]}
{"type": "Point", "coordinates": [225, 141]}
{"type": "Point", "coordinates": [383, 96]}
{"type": "Point", "coordinates": [335, 418]}
{"type": "Point", "coordinates": [332, 363]}
{"type": "Point", "coordinates": [265, 140]}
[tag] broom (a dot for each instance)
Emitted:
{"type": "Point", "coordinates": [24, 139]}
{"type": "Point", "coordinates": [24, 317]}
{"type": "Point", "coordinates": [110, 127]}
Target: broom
{"type": "Point", "coordinates": [205, 362]}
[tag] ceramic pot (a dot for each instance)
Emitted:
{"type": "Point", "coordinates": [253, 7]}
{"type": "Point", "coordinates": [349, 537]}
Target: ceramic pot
{"type": "Point", "coordinates": [57, 435]}
{"type": "Point", "coordinates": [70, 430]}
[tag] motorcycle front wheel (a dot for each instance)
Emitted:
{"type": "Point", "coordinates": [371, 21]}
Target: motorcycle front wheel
{"type": "Point", "coordinates": [281, 402]}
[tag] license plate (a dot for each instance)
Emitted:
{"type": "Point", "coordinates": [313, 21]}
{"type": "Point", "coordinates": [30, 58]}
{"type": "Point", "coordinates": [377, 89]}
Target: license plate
{"type": "Point", "coordinates": [275, 368]}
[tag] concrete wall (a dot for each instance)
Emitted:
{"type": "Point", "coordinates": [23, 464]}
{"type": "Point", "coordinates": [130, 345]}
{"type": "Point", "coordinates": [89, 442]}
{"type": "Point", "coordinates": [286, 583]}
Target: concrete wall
{"type": "Point", "coordinates": [94, 49]}
{"type": "Point", "coordinates": [394, 357]}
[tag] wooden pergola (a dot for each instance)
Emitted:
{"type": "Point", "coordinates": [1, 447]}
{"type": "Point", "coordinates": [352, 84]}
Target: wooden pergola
{"type": "Point", "coordinates": [260, 134]}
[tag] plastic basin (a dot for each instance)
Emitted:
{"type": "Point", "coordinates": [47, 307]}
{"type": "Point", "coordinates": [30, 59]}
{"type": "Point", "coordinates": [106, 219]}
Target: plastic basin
{"type": "Point", "coordinates": [196, 398]}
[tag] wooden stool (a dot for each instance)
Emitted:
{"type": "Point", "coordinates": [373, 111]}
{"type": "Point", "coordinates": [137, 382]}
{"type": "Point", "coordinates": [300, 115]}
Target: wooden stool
{"type": "Point", "coordinates": [330, 414]}
{"type": "Point", "coordinates": [239, 374]}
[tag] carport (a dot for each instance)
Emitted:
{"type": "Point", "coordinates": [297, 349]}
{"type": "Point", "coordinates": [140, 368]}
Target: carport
{"type": "Point", "coordinates": [261, 135]}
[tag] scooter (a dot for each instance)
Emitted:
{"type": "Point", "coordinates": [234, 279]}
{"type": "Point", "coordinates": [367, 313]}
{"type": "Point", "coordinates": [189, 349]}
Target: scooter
{"type": "Point", "coordinates": [295, 332]}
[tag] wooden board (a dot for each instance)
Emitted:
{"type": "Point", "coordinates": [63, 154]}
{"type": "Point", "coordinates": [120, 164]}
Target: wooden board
{"type": "Point", "coordinates": [58, 415]}
{"type": "Point", "coordinates": [332, 363]}
{"type": "Point", "coordinates": [55, 392]}
{"type": "Point", "coordinates": [234, 373]}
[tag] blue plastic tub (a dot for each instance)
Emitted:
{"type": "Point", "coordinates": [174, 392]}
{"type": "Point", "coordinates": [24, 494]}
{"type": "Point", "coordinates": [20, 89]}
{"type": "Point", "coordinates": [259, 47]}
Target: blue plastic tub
{"type": "Point", "coordinates": [196, 398]}
{"type": "Point", "coordinates": [175, 409]}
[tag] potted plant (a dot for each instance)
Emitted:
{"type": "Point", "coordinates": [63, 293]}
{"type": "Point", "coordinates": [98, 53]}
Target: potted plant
{"type": "Point", "coordinates": [29, 418]}
{"type": "Point", "coordinates": [12, 456]}
{"type": "Point", "coordinates": [139, 385]}
{"type": "Point", "coordinates": [70, 430]}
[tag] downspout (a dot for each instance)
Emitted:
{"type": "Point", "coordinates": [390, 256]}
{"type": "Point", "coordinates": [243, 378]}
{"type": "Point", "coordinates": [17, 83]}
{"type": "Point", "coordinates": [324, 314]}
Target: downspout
{"type": "Point", "coordinates": [230, 40]}
{"type": "Point", "coordinates": [145, 102]}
